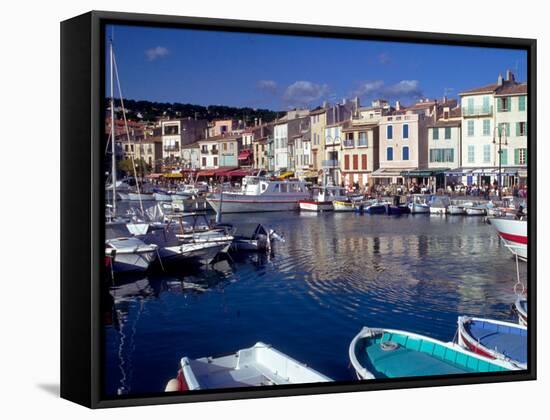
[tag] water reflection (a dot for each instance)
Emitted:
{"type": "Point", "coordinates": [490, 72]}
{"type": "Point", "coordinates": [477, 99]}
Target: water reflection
{"type": "Point", "coordinates": [334, 274]}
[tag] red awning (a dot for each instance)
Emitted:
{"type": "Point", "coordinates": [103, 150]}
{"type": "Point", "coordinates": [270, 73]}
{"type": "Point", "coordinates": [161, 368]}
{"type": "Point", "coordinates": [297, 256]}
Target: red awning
{"type": "Point", "coordinates": [223, 171]}
{"type": "Point", "coordinates": [206, 173]}
{"type": "Point", "coordinates": [245, 154]}
{"type": "Point", "coordinates": [238, 173]}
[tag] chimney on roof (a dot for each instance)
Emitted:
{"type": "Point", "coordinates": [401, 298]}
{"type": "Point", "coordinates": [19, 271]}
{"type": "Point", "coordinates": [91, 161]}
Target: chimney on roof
{"type": "Point", "coordinates": [445, 99]}
{"type": "Point", "coordinates": [325, 104]}
{"type": "Point", "coordinates": [499, 80]}
{"type": "Point", "coordinates": [510, 76]}
{"type": "Point", "coordinates": [255, 121]}
{"type": "Point", "coordinates": [397, 105]}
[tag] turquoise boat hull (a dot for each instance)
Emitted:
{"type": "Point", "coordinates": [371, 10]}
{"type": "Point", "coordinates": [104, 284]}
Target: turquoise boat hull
{"type": "Point", "coordinates": [384, 353]}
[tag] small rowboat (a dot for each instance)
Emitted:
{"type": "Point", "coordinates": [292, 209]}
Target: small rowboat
{"type": "Point", "coordinates": [343, 206]}
{"type": "Point", "coordinates": [497, 340]}
{"type": "Point", "coordinates": [129, 255]}
{"type": "Point", "coordinates": [385, 353]}
{"type": "Point", "coordinates": [520, 306]}
{"type": "Point", "coordinates": [260, 365]}
{"type": "Point", "coordinates": [312, 205]}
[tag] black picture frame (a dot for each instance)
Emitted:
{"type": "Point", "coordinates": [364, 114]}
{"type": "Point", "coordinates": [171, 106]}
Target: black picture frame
{"type": "Point", "coordinates": [82, 213]}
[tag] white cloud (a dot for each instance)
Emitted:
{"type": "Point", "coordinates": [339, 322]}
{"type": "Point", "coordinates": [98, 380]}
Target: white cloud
{"type": "Point", "coordinates": [157, 52]}
{"type": "Point", "coordinates": [303, 92]}
{"type": "Point", "coordinates": [378, 88]}
{"type": "Point", "coordinates": [268, 85]}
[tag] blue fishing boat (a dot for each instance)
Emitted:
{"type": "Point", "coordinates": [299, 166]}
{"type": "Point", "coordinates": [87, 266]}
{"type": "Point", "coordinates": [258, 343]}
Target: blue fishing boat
{"type": "Point", "coordinates": [498, 340]}
{"type": "Point", "coordinates": [385, 353]}
{"type": "Point", "coordinates": [393, 210]}
{"type": "Point", "coordinates": [376, 207]}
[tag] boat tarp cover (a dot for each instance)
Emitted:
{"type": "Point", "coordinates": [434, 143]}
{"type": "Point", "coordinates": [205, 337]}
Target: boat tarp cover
{"type": "Point", "coordinates": [417, 357]}
{"type": "Point", "coordinates": [510, 341]}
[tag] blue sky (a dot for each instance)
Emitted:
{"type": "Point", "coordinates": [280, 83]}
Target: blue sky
{"type": "Point", "coordinates": [280, 72]}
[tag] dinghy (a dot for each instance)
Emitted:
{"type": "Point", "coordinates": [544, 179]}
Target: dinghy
{"type": "Point", "coordinates": [385, 353]}
{"type": "Point", "coordinates": [260, 365]}
{"type": "Point", "coordinates": [520, 306]}
{"type": "Point", "coordinates": [418, 204]}
{"type": "Point", "coordinates": [497, 340]}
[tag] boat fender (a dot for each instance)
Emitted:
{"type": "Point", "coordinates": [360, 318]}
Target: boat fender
{"type": "Point", "coordinates": [389, 346]}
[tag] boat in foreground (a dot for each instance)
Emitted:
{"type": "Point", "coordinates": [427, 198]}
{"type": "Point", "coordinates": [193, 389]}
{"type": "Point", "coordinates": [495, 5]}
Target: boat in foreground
{"type": "Point", "coordinates": [520, 306]}
{"type": "Point", "coordinates": [386, 353]}
{"type": "Point", "coordinates": [259, 365]}
{"type": "Point", "coordinates": [513, 233]}
{"type": "Point", "coordinates": [499, 340]}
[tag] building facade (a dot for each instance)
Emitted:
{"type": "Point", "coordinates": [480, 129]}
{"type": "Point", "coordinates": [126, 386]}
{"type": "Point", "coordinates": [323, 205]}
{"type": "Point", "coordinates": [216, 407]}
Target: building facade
{"type": "Point", "coordinates": [494, 130]}
{"type": "Point", "coordinates": [360, 154]}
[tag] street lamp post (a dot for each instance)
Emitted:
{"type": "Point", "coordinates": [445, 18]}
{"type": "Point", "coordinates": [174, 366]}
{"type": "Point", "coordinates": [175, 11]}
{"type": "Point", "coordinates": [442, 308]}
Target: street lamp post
{"type": "Point", "coordinates": [499, 131]}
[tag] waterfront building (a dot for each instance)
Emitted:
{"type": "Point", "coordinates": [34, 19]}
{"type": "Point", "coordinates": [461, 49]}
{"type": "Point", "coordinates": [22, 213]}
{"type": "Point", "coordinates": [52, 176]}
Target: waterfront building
{"type": "Point", "coordinates": [338, 116]}
{"type": "Point", "coordinates": [190, 154]}
{"type": "Point", "coordinates": [285, 128]}
{"type": "Point", "coordinates": [444, 137]}
{"type": "Point", "coordinates": [300, 151]}
{"type": "Point", "coordinates": [209, 153]}
{"type": "Point", "coordinates": [230, 146]}
{"type": "Point", "coordinates": [175, 134]}
{"type": "Point", "coordinates": [403, 145]}
{"type": "Point", "coordinates": [318, 122]}
{"type": "Point", "coordinates": [489, 112]}
{"type": "Point", "coordinates": [360, 155]}
{"type": "Point", "coordinates": [221, 127]}
{"type": "Point", "coordinates": [262, 134]}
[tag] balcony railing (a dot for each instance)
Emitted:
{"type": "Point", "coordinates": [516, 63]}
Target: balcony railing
{"type": "Point", "coordinates": [349, 143]}
{"type": "Point", "coordinates": [171, 148]}
{"type": "Point", "coordinates": [332, 163]}
{"type": "Point", "coordinates": [477, 111]}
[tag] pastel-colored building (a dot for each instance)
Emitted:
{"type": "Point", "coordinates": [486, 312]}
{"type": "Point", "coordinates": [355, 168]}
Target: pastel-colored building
{"type": "Point", "coordinates": [444, 139]}
{"type": "Point", "coordinates": [403, 146]}
{"type": "Point", "coordinates": [209, 153]}
{"type": "Point", "coordinates": [490, 113]}
{"type": "Point", "coordinates": [318, 122]}
{"type": "Point", "coordinates": [191, 156]}
{"type": "Point", "coordinates": [175, 134]}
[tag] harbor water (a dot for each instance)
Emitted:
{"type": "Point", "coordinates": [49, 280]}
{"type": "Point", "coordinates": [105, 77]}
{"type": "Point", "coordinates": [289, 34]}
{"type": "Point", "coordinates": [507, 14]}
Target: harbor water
{"type": "Point", "coordinates": [335, 273]}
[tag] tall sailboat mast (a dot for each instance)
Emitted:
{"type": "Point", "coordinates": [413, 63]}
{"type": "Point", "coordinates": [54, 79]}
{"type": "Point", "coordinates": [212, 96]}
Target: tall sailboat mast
{"type": "Point", "coordinates": [113, 155]}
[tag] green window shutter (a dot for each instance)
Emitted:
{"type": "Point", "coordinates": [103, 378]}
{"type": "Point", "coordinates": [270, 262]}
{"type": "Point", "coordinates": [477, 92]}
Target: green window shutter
{"type": "Point", "coordinates": [504, 157]}
{"type": "Point", "coordinates": [499, 104]}
{"type": "Point", "coordinates": [518, 130]}
{"type": "Point", "coordinates": [521, 103]}
{"type": "Point", "coordinates": [516, 156]}
{"type": "Point", "coordinates": [526, 156]}
{"type": "Point", "coordinates": [507, 129]}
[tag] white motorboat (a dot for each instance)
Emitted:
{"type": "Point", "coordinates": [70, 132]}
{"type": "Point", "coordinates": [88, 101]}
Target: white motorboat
{"type": "Point", "coordinates": [324, 198]}
{"type": "Point", "coordinates": [419, 204]}
{"type": "Point", "coordinates": [439, 204]}
{"type": "Point", "coordinates": [260, 194]}
{"type": "Point", "coordinates": [259, 365]}
{"type": "Point", "coordinates": [140, 196]}
{"type": "Point", "coordinates": [456, 210]}
{"type": "Point", "coordinates": [475, 211]}
{"type": "Point", "coordinates": [162, 196]}
{"type": "Point", "coordinates": [201, 250]}
{"type": "Point", "coordinates": [513, 233]}
{"type": "Point", "coordinates": [125, 255]}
